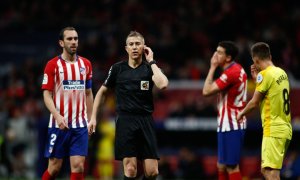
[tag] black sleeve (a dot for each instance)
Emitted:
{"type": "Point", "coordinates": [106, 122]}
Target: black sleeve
{"type": "Point", "coordinates": [111, 77]}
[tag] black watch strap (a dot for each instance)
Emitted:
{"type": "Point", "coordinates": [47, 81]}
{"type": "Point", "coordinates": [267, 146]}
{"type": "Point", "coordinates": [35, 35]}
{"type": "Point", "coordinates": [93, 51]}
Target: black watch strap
{"type": "Point", "coordinates": [152, 62]}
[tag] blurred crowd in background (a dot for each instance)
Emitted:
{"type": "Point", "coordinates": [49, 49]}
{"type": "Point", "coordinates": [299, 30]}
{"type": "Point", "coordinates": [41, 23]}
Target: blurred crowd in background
{"type": "Point", "coordinates": [183, 35]}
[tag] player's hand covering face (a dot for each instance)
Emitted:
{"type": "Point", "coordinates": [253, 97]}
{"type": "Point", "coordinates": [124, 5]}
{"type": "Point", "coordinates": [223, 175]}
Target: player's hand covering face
{"type": "Point", "coordinates": [135, 47]}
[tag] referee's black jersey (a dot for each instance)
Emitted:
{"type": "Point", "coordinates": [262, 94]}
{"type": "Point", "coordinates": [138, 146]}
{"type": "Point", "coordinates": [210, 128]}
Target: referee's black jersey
{"type": "Point", "coordinates": [133, 87]}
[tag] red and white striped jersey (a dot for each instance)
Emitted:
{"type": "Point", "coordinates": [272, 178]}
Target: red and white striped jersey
{"type": "Point", "coordinates": [232, 97]}
{"type": "Point", "coordinates": [67, 81]}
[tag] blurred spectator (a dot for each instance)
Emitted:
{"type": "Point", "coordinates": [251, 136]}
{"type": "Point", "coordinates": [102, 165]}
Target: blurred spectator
{"type": "Point", "coordinates": [105, 149]}
{"type": "Point", "coordinates": [165, 170]}
{"type": "Point", "coordinates": [187, 32]}
{"type": "Point", "coordinates": [291, 166]}
{"type": "Point", "coordinates": [19, 138]}
{"type": "Point", "coordinates": [189, 165]}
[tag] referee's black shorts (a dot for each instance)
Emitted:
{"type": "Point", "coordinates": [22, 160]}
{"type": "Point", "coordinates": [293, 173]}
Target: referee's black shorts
{"type": "Point", "coordinates": [135, 137]}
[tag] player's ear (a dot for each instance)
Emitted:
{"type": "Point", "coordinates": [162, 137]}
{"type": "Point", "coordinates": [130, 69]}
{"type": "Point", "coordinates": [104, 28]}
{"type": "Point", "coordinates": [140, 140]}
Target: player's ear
{"type": "Point", "coordinates": [228, 58]}
{"type": "Point", "coordinates": [61, 43]}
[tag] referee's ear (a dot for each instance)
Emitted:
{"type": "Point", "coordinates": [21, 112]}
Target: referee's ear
{"type": "Point", "coordinates": [126, 48]}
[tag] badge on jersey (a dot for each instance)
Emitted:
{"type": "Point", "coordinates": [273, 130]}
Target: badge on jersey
{"type": "Point", "coordinates": [82, 70]}
{"type": "Point", "coordinates": [45, 79]}
{"type": "Point", "coordinates": [144, 85]}
{"type": "Point", "coordinates": [224, 78]}
{"type": "Point", "coordinates": [50, 149]}
{"type": "Point", "coordinates": [259, 78]}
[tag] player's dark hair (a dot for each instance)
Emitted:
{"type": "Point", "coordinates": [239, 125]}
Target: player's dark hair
{"type": "Point", "coordinates": [134, 34]}
{"type": "Point", "coordinates": [61, 34]}
{"type": "Point", "coordinates": [230, 48]}
{"type": "Point", "coordinates": [261, 50]}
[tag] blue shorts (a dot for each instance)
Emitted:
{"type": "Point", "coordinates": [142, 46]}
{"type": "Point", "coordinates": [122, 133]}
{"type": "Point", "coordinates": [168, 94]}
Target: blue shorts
{"type": "Point", "coordinates": [72, 142]}
{"type": "Point", "coordinates": [229, 146]}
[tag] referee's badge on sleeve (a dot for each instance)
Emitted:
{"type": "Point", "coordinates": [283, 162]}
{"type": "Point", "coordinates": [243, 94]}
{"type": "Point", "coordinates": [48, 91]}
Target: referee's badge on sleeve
{"type": "Point", "coordinates": [144, 85]}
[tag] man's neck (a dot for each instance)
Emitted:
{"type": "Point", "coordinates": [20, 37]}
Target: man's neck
{"type": "Point", "coordinates": [226, 65]}
{"type": "Point", "coordinates": [68, 57]}
{"type": "Point", "coordinates": [265, 64]}
{"type": "Point", "coordinates": [134, 62]}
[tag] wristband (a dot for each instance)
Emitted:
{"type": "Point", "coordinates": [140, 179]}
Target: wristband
{"type": "Point", "coordinates": [152, 62]}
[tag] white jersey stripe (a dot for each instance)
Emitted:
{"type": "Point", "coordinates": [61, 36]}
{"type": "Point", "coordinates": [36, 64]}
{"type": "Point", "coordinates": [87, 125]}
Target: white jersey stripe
{"type": "Point", "coordinates": [73, 115]}
{"type": "Point", "coordinates": [225, 125]}
{"type": "Point", "coordinates": [220, 116]}
{"type": "Point", "coordinates": [51, 120]}
{"type": "Point", "coordinates": [81, 99]}
{"type": "Point", "coordinates": [82, 105]}
{"type": "Point", "coordinates": [59, 87]}
{"type": "Point", "coordinates": [57, 104]}
{"type": "Point", "coordinates": [233, 116]}
{"type": "Point", "coordinates": [74, 95]}
{"type": "Point", "coordinates": [74, 98]}
{"type": "Point", "coordinates": [69, 95]}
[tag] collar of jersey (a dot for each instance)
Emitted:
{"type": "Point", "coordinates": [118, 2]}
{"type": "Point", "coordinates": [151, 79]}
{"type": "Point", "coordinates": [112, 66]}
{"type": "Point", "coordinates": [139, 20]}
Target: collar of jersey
{"type": "Point", "coordinates": [60, 57]}
{"type": "Point", "coordinates": [231, 64]}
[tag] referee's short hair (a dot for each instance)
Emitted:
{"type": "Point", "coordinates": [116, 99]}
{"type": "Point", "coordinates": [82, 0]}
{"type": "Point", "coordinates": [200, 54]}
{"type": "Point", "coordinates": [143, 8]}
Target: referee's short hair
{"type": "Point", "coordinates": [135, 34]}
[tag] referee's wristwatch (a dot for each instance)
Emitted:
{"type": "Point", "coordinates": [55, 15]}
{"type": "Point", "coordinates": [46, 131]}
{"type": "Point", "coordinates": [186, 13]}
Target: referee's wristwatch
{"type": "Point", "coordinates": [152, 62]}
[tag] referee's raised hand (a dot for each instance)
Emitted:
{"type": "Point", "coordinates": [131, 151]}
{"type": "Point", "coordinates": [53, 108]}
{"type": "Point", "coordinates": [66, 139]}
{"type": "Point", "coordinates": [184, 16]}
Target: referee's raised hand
{"type": "Point", "coordinates": [148, 53]}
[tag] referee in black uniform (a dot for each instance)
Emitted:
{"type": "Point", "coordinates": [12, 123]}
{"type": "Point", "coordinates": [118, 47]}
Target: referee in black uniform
{"type": "Point", "coordinates": [133, 81]}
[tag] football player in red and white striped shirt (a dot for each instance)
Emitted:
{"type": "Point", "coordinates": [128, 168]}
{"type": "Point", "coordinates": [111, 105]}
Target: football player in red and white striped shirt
{"type": "Point", "coordinates": [231, 87]}
{"type": "Point", "coordinates": [68, 96]}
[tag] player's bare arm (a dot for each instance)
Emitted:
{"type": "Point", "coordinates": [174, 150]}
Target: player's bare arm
{"type": "Point", "coordinates": [210, 87]}
{"type": "Point", "coordinates": [89, 102]}
{"type": "Point", "coordinates": [51, 107]}
{"type": "Point", "coordinates": [96, 107]}
{"type": "Point", "coordinates": [252, 104]}
{"type": "Point", "coordinates": [159, 79]}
